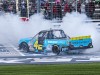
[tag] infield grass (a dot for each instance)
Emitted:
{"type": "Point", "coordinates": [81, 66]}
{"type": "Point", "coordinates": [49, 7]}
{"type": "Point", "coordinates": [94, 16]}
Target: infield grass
{"type": "Point", "coordinates": [60, 69]}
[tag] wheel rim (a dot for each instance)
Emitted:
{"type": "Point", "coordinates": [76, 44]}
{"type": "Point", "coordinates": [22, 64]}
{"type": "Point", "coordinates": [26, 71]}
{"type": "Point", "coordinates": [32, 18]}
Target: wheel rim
{"type": "Point", "coordinates": [56, 50]}
{"type": "Point", "coordinates": [25, 48]}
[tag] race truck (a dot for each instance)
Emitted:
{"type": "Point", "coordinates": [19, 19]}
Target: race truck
{"type": "Point", "coordinates": [54, 40]}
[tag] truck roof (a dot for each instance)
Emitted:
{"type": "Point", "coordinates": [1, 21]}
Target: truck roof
{"type": "Point", "coordinates": [51, 30]}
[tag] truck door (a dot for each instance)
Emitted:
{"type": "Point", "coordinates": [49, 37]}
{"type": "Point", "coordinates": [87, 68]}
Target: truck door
{"type": "Point", "coordinates": [40, 41]}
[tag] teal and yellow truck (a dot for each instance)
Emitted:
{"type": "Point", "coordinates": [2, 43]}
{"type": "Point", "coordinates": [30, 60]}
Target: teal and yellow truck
{"type": "Point", "coordinates": [54, 40]}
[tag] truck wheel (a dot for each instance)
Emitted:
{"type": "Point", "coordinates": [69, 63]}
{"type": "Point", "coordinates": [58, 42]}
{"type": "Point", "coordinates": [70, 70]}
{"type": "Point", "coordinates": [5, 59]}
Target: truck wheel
{"type": "Point", "coordinates": [25, 47]}
{"type": "Point", "coordinates": [56, 50]}
{"type": "Point", "coordinates": [71, 47]}
{"type": "Point", "coordinates": [90, 45]}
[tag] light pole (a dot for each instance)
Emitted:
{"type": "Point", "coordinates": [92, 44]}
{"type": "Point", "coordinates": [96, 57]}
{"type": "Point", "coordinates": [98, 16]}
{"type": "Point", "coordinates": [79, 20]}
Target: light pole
{"type": "Point", "coordinates": [17, 10]}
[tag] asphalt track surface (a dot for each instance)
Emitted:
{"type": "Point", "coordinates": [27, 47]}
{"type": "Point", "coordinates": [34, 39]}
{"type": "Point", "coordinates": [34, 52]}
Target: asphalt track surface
{"type": "Point", "coordinates": [11, 55]}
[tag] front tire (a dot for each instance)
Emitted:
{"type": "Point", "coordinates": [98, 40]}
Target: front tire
{"type": "Point", "coordinates": [24, 47]}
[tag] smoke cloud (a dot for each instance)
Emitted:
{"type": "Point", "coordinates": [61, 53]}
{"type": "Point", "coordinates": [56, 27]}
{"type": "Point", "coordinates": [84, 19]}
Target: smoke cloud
{"type": "Point", "coordinates": [12, 28]}
{"type": "Point", "coordinates": [76, 24]}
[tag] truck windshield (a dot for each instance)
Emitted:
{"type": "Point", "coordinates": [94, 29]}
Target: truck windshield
{"type": "Point", "coordinates": [58, 34]}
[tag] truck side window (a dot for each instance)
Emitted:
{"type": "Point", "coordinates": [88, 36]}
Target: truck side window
{"type": "Point", "coordinates": [49, 35]}
{"type": "Point", "coordinates": [41, 34]}
{"type": "Point", "coordinates": [45, 35]}
{"type": "Point", "coordinates": [68, 37]}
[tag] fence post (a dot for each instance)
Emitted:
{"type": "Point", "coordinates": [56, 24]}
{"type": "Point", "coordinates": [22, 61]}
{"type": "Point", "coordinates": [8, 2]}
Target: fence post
{"type": "Point", "coordinates": [28, 9]}
{"type": "Point", "coordinates": [38, 6]}
{"type": "Point", "coordinates": [76, 6]}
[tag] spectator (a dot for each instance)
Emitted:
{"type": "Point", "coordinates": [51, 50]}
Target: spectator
{"type": "Point", "coordinates": [79, 6]}
{"type": "Point", "coordinates": [90, 8]}
{"type": "Point", "coordinates": [71, 8]}
{"type": "Point", "coordinates": [47, 8]}
{"type": "Point", "coordinates": [83, 8]}
{"type": "Point", "coordinates": [13, 3]}
{"type": "Point", "coordinates": [5, 6]}
{"type": "Point", "coordinates": [23, 9]}
{"type": "Point", "coordinates": [66, 8]}
{"type": "Point", "coordinates": [57, 1]}
{"type": "Point", "coordinates": [10, 8]}
{"type": "Point", "coordinates": [46, 5]}
{"type": "Point", "coordinates": [54, 11]}
{"type": "Point", "coordinates": [31, 9]}
{"type": "Point", "coordinates": [1, 9]}
{"type": "Point", "coordinates": [63, 1]}
{"type": "Point", "coordinates": [59, 10]}
{"type": "Point", "coordinates": [97, 2]}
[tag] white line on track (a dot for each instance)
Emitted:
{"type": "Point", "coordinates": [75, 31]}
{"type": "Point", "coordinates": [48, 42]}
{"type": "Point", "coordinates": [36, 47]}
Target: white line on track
{"type": "Point", "coordinates": [94, 59]}
{"type": "Point", "coordinates": [64, 60]}
{"type": "Point", "coordinates": [10, 61]}
{"type": "Point", "coordinates": [17, 50]}
{"type": "Point", "coordinates": [91, 59]}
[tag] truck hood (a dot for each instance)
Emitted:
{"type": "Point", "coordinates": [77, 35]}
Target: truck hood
{"type": "Point", "coordinates": [25, 40]}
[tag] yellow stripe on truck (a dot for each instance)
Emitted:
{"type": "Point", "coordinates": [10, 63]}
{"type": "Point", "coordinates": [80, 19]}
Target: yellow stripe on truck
{"type": "Point", "coordinates": [80, 37]}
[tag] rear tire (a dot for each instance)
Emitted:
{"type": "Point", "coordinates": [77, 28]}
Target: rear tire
{"type": "Point", "coordinates": [90, 45]}
{"type": "Point", "coordinates": [56, 50]}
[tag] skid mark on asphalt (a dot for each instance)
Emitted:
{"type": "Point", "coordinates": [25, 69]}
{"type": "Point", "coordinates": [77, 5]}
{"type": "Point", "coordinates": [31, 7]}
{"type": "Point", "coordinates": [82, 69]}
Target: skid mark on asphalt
{"type": "Point", "coordinates": [15, 60]}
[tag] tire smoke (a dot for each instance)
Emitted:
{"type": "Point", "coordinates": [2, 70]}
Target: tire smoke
{"type": "Point", "coordinates": [12, 28]}
{"type": "Point", "coordinates": [76, 24]}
